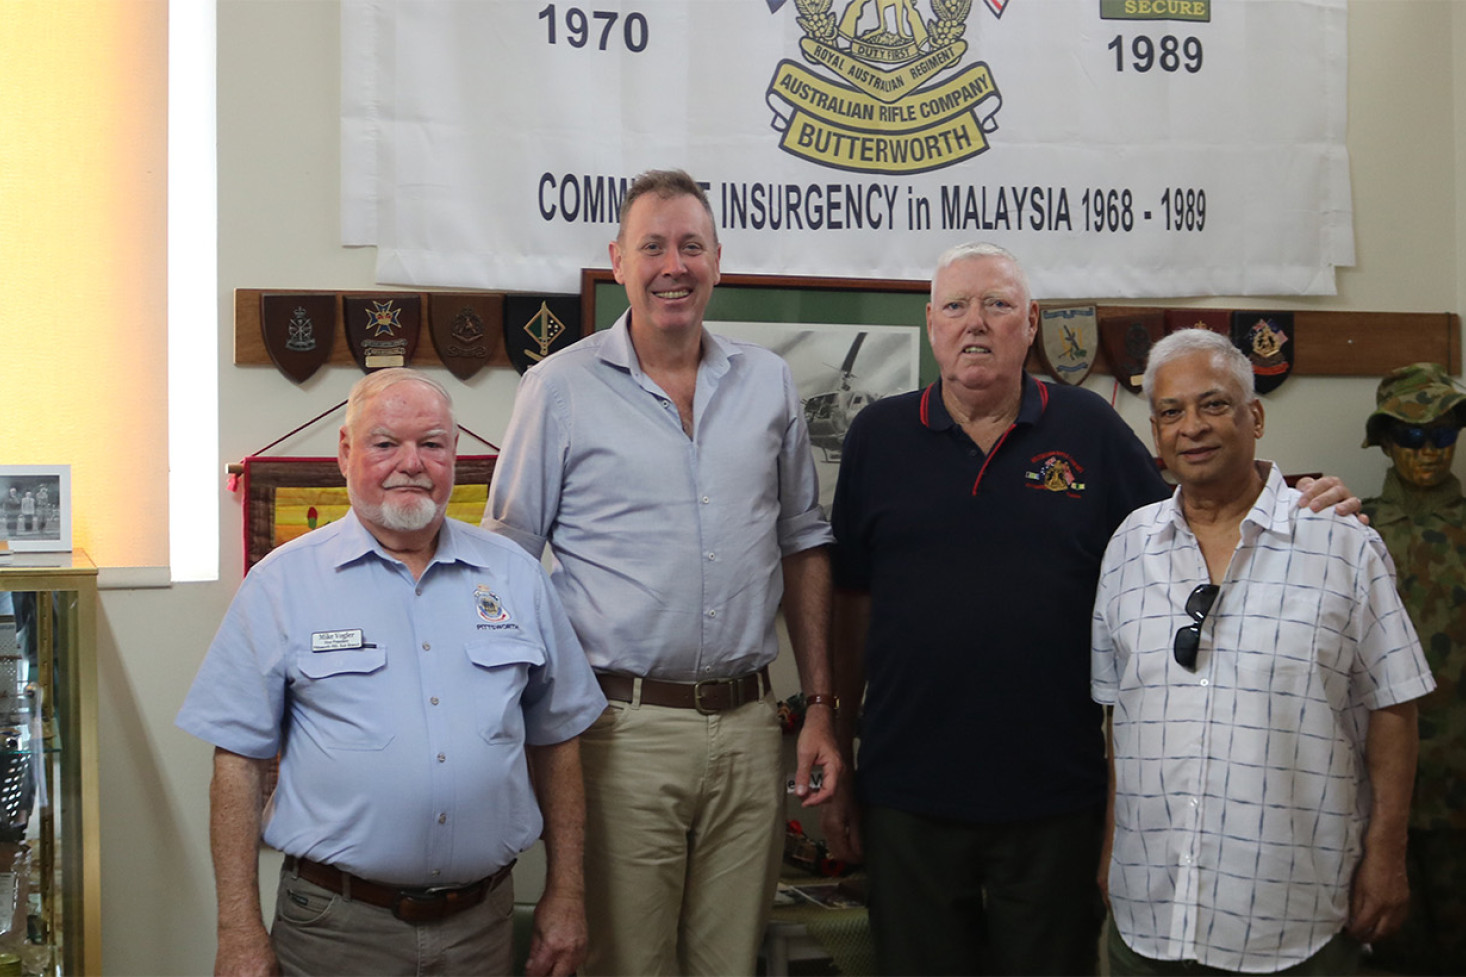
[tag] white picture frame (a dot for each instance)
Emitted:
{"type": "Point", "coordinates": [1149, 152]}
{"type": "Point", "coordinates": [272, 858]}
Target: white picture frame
{"type": "Point", "coordinates": [35, 508]}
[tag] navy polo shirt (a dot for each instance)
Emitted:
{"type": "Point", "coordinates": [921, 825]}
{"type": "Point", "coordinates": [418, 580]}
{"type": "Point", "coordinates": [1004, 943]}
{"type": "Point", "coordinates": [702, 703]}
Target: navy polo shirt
{"type": "Point", "coordinates": [981, 571]}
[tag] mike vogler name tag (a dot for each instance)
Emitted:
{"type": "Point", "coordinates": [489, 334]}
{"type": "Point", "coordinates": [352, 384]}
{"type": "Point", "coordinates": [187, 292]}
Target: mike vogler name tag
{"type": "Point", "coordinates": [344, 640]}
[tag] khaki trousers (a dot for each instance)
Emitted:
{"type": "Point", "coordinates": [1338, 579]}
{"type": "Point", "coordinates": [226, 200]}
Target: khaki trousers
{"type": "Point", "coordinates": [684, 819]}
{"type": "Point", "coordinates": [318, 932]}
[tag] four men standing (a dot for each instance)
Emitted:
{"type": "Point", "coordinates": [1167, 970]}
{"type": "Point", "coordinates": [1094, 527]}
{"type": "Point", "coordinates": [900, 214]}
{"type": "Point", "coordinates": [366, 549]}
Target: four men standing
{"type": "Point", "coordinates": [668, 471]}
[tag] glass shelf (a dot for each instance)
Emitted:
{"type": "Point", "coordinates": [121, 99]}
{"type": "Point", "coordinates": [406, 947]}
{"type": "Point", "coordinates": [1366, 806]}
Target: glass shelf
{"type": "Point", "coordinates": [49, 853]}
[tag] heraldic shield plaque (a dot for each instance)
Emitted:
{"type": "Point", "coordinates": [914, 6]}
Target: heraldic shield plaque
{"type": "Point", "coordinates": [298, 329]}
{"type": "Point", "coordinates": [1267, 339]}
{"type": "Point", "coordinates": [1127, 336]}
{"type": "Point", "coordinates": [1068, 341]}
{"type": "Point", "coordinates": [1217, 320]}
{"type": "Point", "coordinates": [382, 329]}
{"type": "Point", "coordinates": [537, 325]}
{"type": "Point", "coordinates": [467, 330]}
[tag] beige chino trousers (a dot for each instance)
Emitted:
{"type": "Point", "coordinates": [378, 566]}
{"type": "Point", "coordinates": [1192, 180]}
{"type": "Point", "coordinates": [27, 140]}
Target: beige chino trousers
{"type": "Point", "coordinates": [684, 828]}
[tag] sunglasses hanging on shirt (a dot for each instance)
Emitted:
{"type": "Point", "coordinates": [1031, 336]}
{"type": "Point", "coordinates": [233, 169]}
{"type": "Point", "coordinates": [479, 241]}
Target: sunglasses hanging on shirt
{"type": "Point", "coordinates": [1188, 638]}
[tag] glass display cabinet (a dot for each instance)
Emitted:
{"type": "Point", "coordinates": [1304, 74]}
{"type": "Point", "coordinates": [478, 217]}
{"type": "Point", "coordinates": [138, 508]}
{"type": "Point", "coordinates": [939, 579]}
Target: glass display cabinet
{"type": "Point", "coordinates": [50, 919]}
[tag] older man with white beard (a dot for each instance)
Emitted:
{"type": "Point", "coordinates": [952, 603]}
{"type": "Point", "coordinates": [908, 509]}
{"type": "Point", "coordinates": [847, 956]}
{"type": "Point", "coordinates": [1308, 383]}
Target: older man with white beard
{"type": "Point", "coordinates": [408, 670]}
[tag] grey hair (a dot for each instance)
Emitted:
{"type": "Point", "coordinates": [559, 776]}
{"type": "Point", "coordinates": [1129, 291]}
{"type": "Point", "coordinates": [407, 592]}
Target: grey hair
{"type": "Point", "coordinates": [1183, 342]}
{"type": "Point", "coordinates": [979, 249]}
{"type": "Point", "coordinates": [379, 381]}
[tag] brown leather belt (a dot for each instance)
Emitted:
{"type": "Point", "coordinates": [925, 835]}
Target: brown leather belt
{"type": "Point", "coordinates": [712, 695]}
{"type": "Point", "coordinates": [411, 905]}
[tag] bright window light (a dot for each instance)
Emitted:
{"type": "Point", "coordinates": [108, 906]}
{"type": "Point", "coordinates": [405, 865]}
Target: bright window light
{"type": "Point", "coordinates": [193, 298]}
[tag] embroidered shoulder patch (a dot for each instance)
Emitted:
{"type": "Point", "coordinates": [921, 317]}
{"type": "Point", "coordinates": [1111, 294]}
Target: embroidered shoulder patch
{"type": "Point", "coordinates": [490, 607]}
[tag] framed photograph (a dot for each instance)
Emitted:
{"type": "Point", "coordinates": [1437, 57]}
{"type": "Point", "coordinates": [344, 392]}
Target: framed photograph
{"type": "Point", "coordinates": [789, 300]}
{"type": "Point", "coordinates": [848, 341]}
{"type": "Point", "coordinates": [35, 508]}
{"type": "Point", "coordinates": [288, 497]}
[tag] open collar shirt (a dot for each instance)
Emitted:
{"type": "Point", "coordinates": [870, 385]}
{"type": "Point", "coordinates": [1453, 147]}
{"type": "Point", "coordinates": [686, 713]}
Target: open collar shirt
{"type": "Point", "coordinates": [1242, 790]}
{"type": "Point", "coordinates": [400, 708]}
{"type": "Point", "coordinates": [667, 549]}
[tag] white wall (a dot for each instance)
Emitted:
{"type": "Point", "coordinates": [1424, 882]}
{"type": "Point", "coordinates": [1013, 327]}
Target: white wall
{"type": "Point", "coordinates": [278, 83]}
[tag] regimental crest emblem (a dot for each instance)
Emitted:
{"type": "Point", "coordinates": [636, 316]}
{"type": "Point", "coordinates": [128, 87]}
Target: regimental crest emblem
{"type": "Point", "coordinates": [467, 329]}
{"type": "Point", "coordinates": [298, 328]}
{"type": "Point", "coordinates": [1267, 339]}
{"type": "Point", "coordinates": [537, 325]}
{"type": "Point", "coordinates": [1056, 471]}
{"type": "Point", "coordinates": [490, 608]}
{"type": "Point", "coordinates": [382, 330]}
{"type": "Point", "coordinates": [1217, 320]}
{"type": "Point", "coordinates": [888, 93]}
{"type": "Point", "coordinates": [1127, 336]}
{"type": "Point", "coordinates": [1068, 341]}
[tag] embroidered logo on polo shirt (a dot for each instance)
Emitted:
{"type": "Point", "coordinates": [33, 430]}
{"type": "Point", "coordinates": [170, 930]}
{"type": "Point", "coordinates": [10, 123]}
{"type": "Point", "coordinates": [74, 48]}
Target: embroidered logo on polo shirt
{"type": "Point", "coordinates": [490, 607]}
{"type": "Point", "coordinates": [1055, 471]}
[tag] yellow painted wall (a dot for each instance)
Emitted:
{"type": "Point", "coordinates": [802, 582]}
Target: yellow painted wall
{"type": "Point", "coordinates": [83, 270]}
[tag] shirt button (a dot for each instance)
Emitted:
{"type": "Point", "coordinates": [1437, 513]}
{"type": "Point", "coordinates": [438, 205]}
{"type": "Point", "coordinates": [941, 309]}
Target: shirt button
{"type": "Point", "coordinates": [442, 758]}
{"type": "Point", "coordinates": [418, 591]}
{"type": "Point", "coordinates": [442, 819]}
{"type": "Point", "coordinates": [426, 646]}
{"type": "Point", "coordinates": [434, 700]}
{"type": "Point", "coordinates": [1205, 683]}
{"type": "Point", "coordinates": [712, 556]}
{"type": "Point", "coordinates": [712, 613]}
{"type": "Point", "coordinates": [1185, 859]}
{"type": "Point", "coordinates": [436, 873]}
{"type": "Point", "coordinates": [1194, 802]}
{"type": "Point", "coordinates": [705, 500]}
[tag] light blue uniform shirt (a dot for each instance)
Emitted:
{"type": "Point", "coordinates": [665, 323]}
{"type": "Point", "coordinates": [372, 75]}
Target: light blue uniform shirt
{"type": "Point", "coordinates": [666, 549]}
{"type": "Point", "coordinates": [402, 707]}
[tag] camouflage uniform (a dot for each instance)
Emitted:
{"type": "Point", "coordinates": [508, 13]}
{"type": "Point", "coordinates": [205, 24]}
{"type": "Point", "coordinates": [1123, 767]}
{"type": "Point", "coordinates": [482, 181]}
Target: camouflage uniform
{"type": "Point", "coordinates": [1425, 531]}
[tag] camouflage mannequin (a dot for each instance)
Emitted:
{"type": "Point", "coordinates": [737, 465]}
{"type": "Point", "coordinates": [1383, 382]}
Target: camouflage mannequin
{"type": "Point", "coordinates": [1422, 517]}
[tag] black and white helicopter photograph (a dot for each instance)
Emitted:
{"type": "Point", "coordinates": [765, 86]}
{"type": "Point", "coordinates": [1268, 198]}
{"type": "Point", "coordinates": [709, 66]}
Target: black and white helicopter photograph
{"type": "Point", "coordinates": [838, 370]}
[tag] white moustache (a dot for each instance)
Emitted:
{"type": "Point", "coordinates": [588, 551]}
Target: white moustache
{"type": "Point", "coordinates": [422, 483]}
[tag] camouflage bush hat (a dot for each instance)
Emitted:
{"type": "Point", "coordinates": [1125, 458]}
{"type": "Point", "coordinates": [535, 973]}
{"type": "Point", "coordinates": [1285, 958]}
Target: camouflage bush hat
{"type": "Point", "coordinates": [1416, 394]}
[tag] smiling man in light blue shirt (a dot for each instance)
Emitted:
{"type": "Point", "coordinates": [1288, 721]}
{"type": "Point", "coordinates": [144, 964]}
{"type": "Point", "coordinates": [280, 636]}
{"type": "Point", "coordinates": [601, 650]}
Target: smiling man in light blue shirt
{"type": "Point", "coordinates": [669, 471]}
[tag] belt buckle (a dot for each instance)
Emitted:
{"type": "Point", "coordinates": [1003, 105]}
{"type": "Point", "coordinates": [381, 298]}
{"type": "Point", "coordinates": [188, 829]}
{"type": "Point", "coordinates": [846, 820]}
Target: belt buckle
{"type": "Point", "coordinates": [735, 694]}
{"type": "Point", "coordinates": [425, 906]}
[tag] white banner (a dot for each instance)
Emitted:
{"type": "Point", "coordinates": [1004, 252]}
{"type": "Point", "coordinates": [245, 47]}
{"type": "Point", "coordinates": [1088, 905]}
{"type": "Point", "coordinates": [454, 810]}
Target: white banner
{"type": "Point", "coordinates": [1120, 148]}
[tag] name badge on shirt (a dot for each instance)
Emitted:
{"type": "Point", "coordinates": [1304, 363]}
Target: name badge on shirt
{"type": "Point", "coordinates": [345, 640]}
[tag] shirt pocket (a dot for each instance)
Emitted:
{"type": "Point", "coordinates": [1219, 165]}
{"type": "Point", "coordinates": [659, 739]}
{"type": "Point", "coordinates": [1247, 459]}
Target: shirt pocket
{"type": "Point", "coordinates": [341, 684]}
{"type": "Point", "coordinates": [502, 667]}
{"type": "Point", "coordinates": [317, 665]}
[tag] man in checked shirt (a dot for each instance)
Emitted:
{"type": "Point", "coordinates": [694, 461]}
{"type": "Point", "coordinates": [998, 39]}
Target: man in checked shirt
{"type": "Point", "coordinates": [1262, 671]}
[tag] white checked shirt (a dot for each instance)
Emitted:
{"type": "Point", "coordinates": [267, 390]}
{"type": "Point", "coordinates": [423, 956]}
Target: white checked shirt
{"type": "Point", "coordinates": [1242, 790]}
